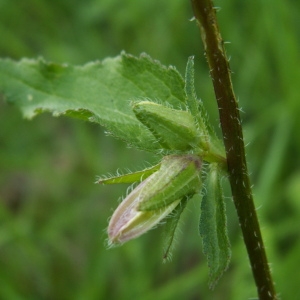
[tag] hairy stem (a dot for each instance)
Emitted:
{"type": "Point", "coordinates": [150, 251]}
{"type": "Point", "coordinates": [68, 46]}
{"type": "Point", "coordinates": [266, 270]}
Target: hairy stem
{"type": "Point", "coordinates": [234, 144]}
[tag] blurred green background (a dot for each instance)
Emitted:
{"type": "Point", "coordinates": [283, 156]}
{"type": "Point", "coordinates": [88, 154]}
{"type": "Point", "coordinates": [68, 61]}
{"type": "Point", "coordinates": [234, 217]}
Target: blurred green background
{"type": "Point", "coordinates": [53, 218]}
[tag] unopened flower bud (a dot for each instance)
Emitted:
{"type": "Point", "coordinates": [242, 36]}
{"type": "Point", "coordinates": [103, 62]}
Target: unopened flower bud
{"type": "Point", "coordinates": [174, 129]}
{"type": "Point", "coordinates": [155, 198]}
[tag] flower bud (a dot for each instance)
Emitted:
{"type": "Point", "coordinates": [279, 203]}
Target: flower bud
{"type": "Point", "coordinates": [128, 222]}
{"type": "Point", "coordinates": [174, 129]}
{"type": "Point", "coordinates": [155, 198]}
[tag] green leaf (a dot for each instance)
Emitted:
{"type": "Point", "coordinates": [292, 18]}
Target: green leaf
{"type": "Point", "coordinates": [98, 91]}
{"type": "Point", "coordinates": [209, 142]}
{"type": "Point", "coordinates": [171, 228]}
{"type": "Point", "coordinates": [213, 227]}
{"type": "Point", "coordinates": [194, 104]}
{"type": "Point", "coordinates": [129, 177]}
{"type": "Point", "coordinates": [189, 88]}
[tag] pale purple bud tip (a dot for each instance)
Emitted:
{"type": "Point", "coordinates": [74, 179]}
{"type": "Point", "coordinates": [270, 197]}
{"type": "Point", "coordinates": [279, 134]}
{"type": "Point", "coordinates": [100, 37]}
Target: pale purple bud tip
{"type": "Point", "coordinates": [127, 222]}
{"type": "Point", "coordinates": [155, 198]}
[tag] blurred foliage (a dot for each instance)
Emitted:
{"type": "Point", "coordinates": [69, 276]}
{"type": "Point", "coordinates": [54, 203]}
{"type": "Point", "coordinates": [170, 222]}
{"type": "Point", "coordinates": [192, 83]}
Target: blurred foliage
{"type": "Point", "coordinates": [53, 219]}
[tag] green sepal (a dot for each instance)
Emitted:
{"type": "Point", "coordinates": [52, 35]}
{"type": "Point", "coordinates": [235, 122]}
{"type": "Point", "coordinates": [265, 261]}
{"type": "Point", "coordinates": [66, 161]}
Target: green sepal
{"type": "Point", "coordinates": [173, 129]}
{"type": "Point", "coordinates": [177, 177]}
{"type": "Point", "coordinates": [171, 228]}
{"type": "Point", "coordinates": [129, 177]}
{"type": "Point", "coordinates": [213, 227]}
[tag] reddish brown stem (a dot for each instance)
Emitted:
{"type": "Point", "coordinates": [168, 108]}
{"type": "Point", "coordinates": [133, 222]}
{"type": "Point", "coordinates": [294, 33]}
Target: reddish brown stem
{"type": "Point", "coordinates": [234, 144]}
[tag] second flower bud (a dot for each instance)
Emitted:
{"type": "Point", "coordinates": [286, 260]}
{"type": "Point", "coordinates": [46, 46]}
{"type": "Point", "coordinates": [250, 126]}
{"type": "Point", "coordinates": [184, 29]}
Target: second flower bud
{"type": "Point", "coordinates": [155, 197]}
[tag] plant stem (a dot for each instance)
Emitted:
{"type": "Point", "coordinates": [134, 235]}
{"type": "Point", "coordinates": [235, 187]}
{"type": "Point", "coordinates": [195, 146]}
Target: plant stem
{"type": "Point", "coordinates": [234, 144]}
